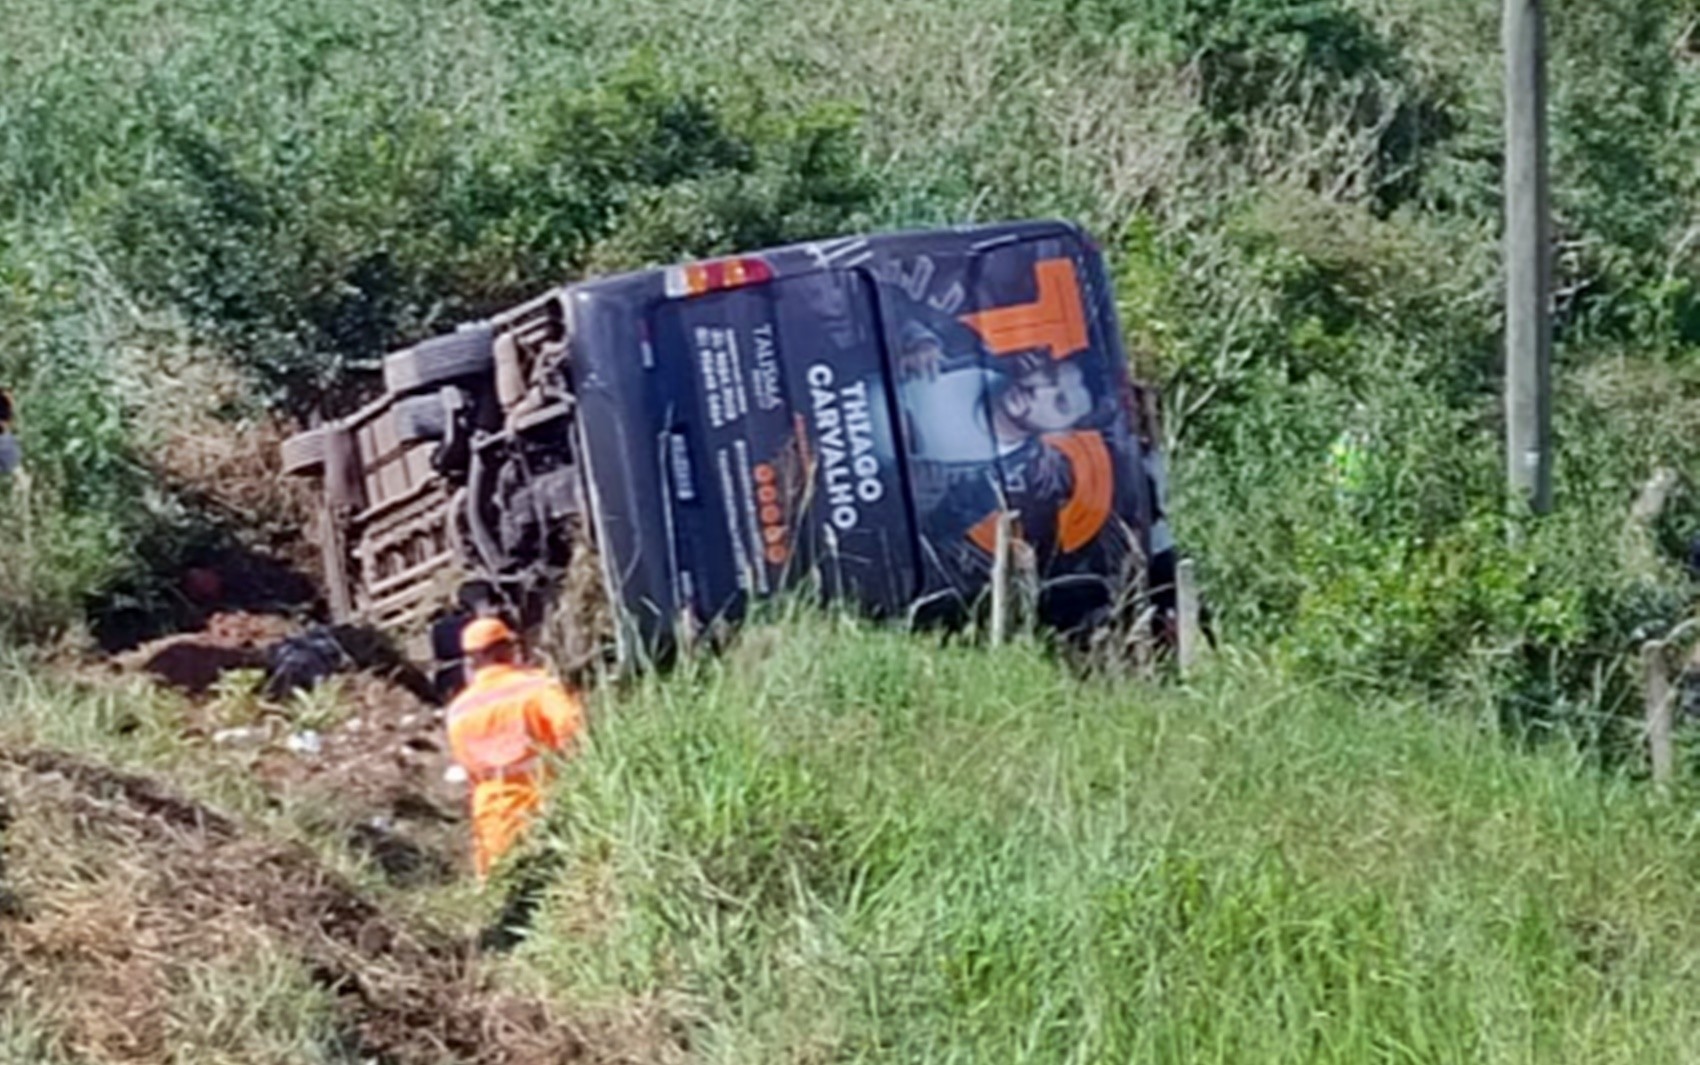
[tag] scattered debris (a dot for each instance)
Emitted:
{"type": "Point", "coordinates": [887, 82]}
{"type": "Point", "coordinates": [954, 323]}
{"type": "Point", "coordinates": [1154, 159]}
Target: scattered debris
{"type": "Point", "coordinates": [368, 740]}
{"type": "Point", "coordinates": [193, 662]}
{"type": "Point", "coordinates": [309, 743]}
{"type": "Point", "coordinates": [304, 661]}
{"type": "Point", "coordinates": [240, 736]}
{"type": "Point", "coordinates": [386, 755]}
{"type": "Point", "coordinates": [291, 659]}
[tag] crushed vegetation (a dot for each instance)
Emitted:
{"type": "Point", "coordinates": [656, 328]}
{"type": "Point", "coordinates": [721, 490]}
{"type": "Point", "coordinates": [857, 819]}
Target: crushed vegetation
{"type": "Point", "coordinates": [329, 922]}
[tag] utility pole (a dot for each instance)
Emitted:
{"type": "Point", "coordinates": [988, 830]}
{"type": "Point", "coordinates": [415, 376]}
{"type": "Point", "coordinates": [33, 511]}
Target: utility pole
{"type": "Point", "coordinates": [1528, 259]}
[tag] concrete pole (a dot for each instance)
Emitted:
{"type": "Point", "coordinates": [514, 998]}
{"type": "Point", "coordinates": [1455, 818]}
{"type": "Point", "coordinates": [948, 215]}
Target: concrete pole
{"type": "Point", "coordinates": [1528, 259]}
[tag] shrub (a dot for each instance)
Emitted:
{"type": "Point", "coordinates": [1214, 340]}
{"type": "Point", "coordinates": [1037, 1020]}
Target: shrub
{"type": "Point", "coordinates": [68, 525]}
{"type": "Point", "coordinates": [1307, 88]}
{"type": "Point", "coordinates": [1626, 134]}
{"type": "Point", "coordinates": [307, 262]}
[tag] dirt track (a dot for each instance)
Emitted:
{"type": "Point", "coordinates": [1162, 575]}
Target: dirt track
{"type": "Point", "coordinates": [109, 882]}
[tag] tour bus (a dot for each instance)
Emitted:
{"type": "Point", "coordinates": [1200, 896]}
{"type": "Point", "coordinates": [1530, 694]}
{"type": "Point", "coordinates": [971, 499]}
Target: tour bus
{"type": "Point", "coordinates": [633, 461]}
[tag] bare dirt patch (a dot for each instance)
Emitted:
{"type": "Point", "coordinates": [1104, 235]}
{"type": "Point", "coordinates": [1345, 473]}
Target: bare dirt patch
{"type": "Point", "coordinates": [192, 662]}
{"type": "Point", "coordinates": [382, 738]}
{"type": "Point", "coordinates": [385, 765]}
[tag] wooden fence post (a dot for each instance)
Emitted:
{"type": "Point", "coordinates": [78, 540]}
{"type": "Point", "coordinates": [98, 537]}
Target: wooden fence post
{"type": "Point", "coordinates": [1001, 579]}
{"type": "Point", "coordinates": [1658, 696]}
{"type": "Point", "coordinates": [26, 506]}
{"type": "Point", "coordinates": [1190, 637]}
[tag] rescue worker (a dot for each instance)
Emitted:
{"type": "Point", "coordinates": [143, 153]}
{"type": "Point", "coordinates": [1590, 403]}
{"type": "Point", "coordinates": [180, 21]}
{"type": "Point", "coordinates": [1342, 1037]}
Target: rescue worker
{"type": "Point", "coordinates": [500, 727]}
{"type": "Point", "coordinates": [1348, 456]}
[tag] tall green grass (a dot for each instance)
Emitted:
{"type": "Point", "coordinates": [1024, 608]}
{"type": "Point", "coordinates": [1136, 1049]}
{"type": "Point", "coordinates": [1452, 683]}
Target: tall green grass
{"type": "Point", "coordinates": [848, 845]}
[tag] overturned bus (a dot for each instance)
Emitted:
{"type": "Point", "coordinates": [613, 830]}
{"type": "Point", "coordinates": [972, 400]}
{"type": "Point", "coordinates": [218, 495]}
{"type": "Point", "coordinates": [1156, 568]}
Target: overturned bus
{"type": "Point", "coordinates": [634, 460]}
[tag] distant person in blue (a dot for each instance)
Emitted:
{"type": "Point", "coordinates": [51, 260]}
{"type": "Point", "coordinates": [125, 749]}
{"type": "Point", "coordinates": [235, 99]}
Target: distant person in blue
{"type": "Point", "coordinates": [11, 456]}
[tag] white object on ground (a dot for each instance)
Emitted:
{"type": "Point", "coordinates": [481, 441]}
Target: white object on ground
{"type": "Point", "coordinates": [454, 774]}
{"type": "Point", "coordinates": [308, 743]}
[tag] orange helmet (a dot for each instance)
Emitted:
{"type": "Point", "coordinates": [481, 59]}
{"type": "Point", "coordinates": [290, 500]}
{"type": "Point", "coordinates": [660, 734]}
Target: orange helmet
{"type": "Point", "coordinates": [484, 633]}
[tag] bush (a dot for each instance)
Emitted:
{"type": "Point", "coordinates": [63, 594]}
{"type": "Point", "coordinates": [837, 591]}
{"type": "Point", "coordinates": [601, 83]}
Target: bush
{"type": "Point", "coordinates": [68, 525]}
{"type": "Point", "coordinates": [1275, 79]}
{"type": "Point", "coordinates": [1302, 323]}
{"type": "Point", "coordinates": [309, 261]}
{"type": "Point", "coordinates": [1626, 133]}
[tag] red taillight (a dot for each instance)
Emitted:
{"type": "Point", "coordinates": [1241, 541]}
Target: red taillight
{"type": "Point", "coordinates": [693, 279]}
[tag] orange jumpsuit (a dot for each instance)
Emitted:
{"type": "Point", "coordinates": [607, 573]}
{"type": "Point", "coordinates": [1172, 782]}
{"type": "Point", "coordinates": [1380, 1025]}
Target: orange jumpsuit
{"type": "Point", "coordinates": [499, 728]}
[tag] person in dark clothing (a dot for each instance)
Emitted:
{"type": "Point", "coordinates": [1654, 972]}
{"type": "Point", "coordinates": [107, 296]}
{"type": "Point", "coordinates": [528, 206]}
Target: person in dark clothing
{"type": "Point", "coordinates": [11, 456]}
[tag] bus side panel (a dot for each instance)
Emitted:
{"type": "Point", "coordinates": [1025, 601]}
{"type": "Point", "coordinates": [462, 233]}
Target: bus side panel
{"type": "Point", "coordinates": [618, 407]}
{"type": "Point", "coordinates": [1012, 385]}
{"type": "Point", "coordinates": [778, 413]}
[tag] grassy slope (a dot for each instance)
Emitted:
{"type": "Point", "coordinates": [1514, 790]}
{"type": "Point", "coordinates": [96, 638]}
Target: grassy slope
{"type": "Point", "coordinates": [254, 1002]}
{"type": "Point", "coordinates": [841, 843]}
{"type": "Point", "coordinates": [847, 845]}
{"type": "Point", "coordinates": [115, 967]}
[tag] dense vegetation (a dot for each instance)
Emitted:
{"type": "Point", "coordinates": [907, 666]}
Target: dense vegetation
{"type": "Point", "coordinates": [840, 844]}
{"type": "Point", "coordinates": [1300, 198]}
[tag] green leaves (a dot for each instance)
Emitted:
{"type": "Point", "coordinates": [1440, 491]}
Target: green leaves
{"type": "Point", "coordinates": [308, 256]}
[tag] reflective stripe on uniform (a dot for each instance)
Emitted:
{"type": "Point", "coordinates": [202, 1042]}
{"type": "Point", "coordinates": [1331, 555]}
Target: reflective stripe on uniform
{"type": "Point", "coordinates": [488, 730]}
{"type": "Point", "coordinates": [477, 698]}
{"type": "Point", "coordinates": [525, 770]}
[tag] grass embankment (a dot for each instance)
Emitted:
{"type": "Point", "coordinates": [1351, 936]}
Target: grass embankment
{"type": "Point", "coordinates": [840, 844]}
{"type": "Point", "coordinates": [163, 901]}
{"type": "Point", "coordinates": [95, 965]}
